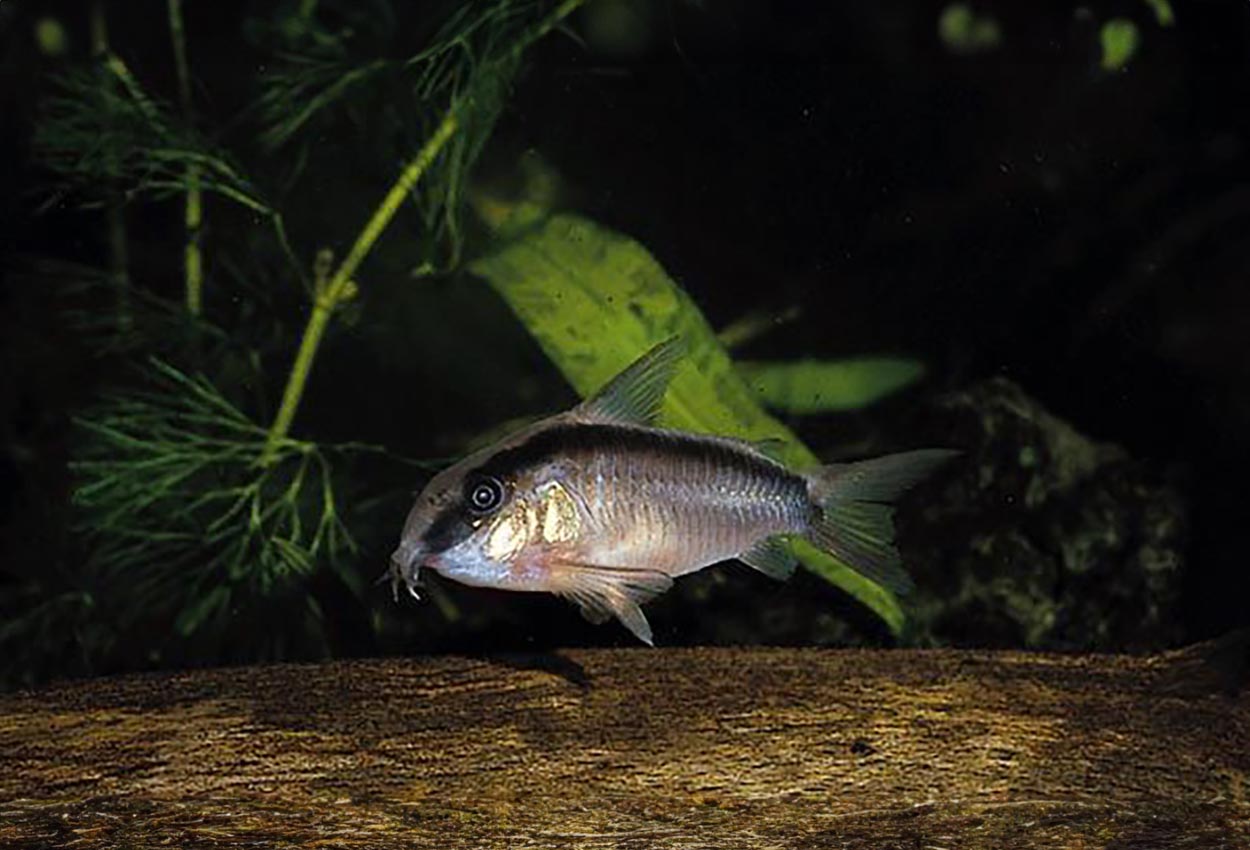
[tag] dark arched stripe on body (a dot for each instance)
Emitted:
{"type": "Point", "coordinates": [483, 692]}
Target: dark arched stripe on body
{"type": "Point", "coordinates": [451, 525]}
{"type": "Point", "coordinates": [573, 439]}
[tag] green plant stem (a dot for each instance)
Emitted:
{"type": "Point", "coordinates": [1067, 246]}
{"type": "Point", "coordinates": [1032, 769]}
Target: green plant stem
{"type": "Point", "coordinates": [553, 20]}
{"type": "Point", "coordinates": [340, 287]}
{"type": "Point", "coordinates": [323, 307]}
{"type": "Point", "coordinates": [193, 258]}
{"type": "Point", "coordinates": [395, 197]}
{"type": "Point", "coordinates": [193, 211]}
{"type": "Point", "coordinates": [115, 217]}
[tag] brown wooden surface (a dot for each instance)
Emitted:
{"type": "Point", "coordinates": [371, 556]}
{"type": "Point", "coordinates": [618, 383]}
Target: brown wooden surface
{"type": "Point", "coordinates": [714, 748]}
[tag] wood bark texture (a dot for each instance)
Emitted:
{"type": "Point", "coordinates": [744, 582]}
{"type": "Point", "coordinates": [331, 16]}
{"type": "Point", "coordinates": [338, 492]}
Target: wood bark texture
{"type": "Point", "coordinates": [692, 748]}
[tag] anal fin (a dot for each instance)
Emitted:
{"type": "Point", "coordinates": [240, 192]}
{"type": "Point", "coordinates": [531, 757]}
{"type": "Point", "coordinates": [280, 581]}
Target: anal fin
{"type": "Point", "coordinates": [605, 592]}
{"type": "Point", "coordinates": [771, 557]}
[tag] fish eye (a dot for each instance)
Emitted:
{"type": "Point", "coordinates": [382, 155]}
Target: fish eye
{"type": "Point", "coordinates": [485, 494]}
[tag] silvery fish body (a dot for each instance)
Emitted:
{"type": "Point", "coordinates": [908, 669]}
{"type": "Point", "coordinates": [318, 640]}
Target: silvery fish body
{"type": "Point", "coordinates": [601, 507]}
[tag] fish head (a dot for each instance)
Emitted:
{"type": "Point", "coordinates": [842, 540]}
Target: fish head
{"type": "Point", "coordinates": [447, 524]}
{"type": "Point", "coordinates": [485, 520]}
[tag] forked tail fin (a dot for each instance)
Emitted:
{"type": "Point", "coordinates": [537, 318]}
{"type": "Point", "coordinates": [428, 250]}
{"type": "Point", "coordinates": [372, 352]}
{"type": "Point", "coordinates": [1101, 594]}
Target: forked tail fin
{"type": "Point", "coordinates": [856, 524]}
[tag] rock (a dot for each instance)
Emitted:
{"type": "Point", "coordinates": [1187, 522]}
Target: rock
{"type": "Point", "coordinates": [1044, 539]}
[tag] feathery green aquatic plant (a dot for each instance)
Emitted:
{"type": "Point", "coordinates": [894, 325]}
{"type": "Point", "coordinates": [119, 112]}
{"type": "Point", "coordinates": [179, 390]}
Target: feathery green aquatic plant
{"type": "Point", "coordinates": [461, 76]}
{"type": "Point", "coordinates": [471, 80]}
{"type": "Point", "coordinates": [175, 508]}
{"type": "Point", "coordinates": [195, 500]}
{"type": "Point", "coordinates": [105, 141]}
{"type": "Point", "coordinates": [188, 508]}
{"type": "Point", "coordinates": [100, 142]}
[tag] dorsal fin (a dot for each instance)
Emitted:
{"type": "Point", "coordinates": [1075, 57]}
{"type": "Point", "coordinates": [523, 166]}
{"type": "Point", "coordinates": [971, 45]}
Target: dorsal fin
{"type": "Point", "coordinates": [635, 394]}
{"type": "Point", "coordinates": [773, 448]}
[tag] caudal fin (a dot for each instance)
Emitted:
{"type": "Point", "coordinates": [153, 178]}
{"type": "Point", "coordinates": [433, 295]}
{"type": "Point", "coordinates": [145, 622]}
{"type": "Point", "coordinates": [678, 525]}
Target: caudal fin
{"type": "Point", "coordinates": [857, 520]}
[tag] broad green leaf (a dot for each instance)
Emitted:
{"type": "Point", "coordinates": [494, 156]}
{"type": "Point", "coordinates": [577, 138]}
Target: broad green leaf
{"type": "Point", "coordinates": [1119, 43]}
{"type": "Point", "coordinates": [595, 300]}
{"type": "Point", "coordinates": [755, 324]}
{"type": "Point", "coordinates": [821, 386]}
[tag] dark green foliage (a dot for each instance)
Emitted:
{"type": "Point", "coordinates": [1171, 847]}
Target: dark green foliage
{"type": "Point", "coordinates": [202, 530]}
{"type": "Point", "coordinates": [196, 531]}
{"type": "Point", "coordinates": [468, 66]}
{"type": "Point", "coordinates": [102, 136]}
{"type": "Point", "coordinates": [168, 510]}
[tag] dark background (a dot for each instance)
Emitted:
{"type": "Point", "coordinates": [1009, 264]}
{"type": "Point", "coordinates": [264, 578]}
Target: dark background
{"type": "Point", "coordinates": [1018, 212]}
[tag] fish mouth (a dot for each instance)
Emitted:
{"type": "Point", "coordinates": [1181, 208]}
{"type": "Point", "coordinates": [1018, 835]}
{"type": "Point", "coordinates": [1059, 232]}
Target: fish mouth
{"type": "Point", "coordinates": [405, 570]}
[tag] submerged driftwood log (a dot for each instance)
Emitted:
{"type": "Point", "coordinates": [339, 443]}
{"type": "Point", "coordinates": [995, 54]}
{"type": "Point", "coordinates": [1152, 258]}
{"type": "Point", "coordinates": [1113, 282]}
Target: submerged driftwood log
{"type": "Point", "coordinates": [709, 748]}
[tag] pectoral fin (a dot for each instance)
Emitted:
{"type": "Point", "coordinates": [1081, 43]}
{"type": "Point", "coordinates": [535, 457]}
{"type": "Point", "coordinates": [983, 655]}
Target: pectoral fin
{"type": "Point", "coordinates": [605, 592]}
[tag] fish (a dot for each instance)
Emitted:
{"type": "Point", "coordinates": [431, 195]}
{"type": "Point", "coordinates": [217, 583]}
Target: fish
{"type": "Point", "coordinates": [600, 505]}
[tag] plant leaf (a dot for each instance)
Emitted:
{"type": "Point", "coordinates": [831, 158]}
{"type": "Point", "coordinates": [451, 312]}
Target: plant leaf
{"type": "Point", "coordinates": [1163, 12]}
{"type": "Point", "coordinates": [822, 386]}
{"type": "Point", "coordinates": [964, 31]}
{"type": "Point", "coordinates": [595, 300]}
{"type": "Point", "coordinates": [1120, 40]}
